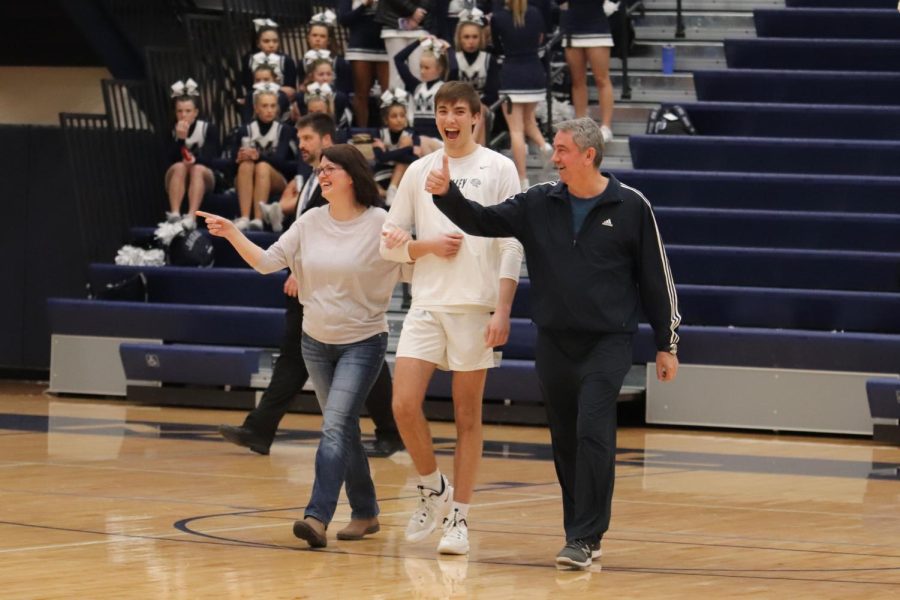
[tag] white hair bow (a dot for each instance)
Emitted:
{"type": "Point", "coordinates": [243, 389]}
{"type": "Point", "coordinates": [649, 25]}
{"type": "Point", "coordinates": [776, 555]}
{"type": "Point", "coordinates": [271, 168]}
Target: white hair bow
{"type": "Point", "coordinates": [260, 23]}
{"type": "Point", "coordinates": [433, 46]}
{"type": "Point", "coordinates": [265, 87]}
{"type": "Point", "coordinates": [272, 60]}
{"type": "Point", "coordinates": [320, 90]}
{"type": "Point", "coordinates": [472, 15]}
{"type": "Point", "coordinates": [395, 96]}
{"type": "Point", "coordinates": [185, 88]}
{"type": "Point", "coordinates": [326, 17]}
{"type": "Point", "coordinates": [312, 56]}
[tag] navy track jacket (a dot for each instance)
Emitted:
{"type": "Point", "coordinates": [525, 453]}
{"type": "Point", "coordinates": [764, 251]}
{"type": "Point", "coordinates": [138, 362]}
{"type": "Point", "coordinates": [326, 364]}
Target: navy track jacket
{"type": "Point", "coordinates": [590, 280]}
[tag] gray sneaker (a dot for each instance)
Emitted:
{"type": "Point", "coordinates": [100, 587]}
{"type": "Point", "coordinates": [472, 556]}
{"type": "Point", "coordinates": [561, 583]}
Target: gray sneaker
{"type": "Point", "coordinates": [575, 554]}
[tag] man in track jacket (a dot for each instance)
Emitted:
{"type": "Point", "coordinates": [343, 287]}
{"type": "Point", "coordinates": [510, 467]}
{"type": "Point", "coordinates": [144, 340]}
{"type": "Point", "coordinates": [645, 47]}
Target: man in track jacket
{"type": "Point", "coordinates": [594, 256]}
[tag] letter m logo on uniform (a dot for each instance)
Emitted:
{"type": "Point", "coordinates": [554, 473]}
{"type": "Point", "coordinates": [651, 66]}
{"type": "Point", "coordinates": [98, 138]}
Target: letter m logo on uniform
{"type": "Point", "coordinates": [424, 105]}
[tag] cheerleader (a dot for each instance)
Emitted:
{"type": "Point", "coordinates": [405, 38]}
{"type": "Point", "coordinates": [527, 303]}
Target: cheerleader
{"type": "Point", "coordinates": [518, 30]}
{"type": "Point", "coordinates": [320, 98]}
{"type": "Point", "coordinates": [268, 44]}
{"type": "Point", "coordinates": [321, 72]}
{"type": "Point", "coordinates": [193, 153]}
{"type": "Point", "coordinates": [587, 39]}
{"type": "Point", "coordinates": [402, 21]}
{"type": "Point", "coordinates": [321, 38]}
{"type": "Point", "coordinates": [396, 145]}
{"type": "Point", "coordinates": [264, 74]}
{"type": "Point", "coordinates": [435, 67]}
{"type": "Point", "coordinates": [366, 54]}
{"type": "Point", "coordinates": [474, 65]}
{"type": "Point", "coordinates": [263, 157]}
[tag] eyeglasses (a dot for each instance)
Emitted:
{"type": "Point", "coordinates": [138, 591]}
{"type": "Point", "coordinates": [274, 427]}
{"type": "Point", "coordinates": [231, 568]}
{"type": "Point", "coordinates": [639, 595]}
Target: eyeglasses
{"type": "Point", "coordinates": [327, 170]}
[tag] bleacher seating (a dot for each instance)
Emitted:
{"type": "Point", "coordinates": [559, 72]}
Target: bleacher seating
{"type": "Point", "coordinates": [765, 191]}
{"type": "Point", "coordinates": [804, 87]}
{"type": "Point", "coordinates": [833, 23]}
{"type": "Point", "coordinates": [745, 119]}
{"type": "Point", "coordinates": [813, 54]}
{"type": "Point", "coordinates": [768, 155]}
{"type": "Point", "coordinates": [857, 4]}
{"type": "Point", "coordinates": [780, 219]}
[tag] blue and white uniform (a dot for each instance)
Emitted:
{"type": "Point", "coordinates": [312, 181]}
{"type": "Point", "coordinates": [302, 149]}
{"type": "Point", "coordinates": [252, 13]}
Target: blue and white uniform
{"type": "Point", "coordinates": [522, 76]}
{"type": "Point", "coordinates": [421, 102]}
{"type": "Point", "coordinates": [273, 141]}
{"type": "Point", "coordinates": [585, 25]}
{"type": "Point", "coordinates": [481, 70]}
{"type": "Point", "coordinates": [365, 41]}
{"type": "Point", "coordinates": [284, 66]}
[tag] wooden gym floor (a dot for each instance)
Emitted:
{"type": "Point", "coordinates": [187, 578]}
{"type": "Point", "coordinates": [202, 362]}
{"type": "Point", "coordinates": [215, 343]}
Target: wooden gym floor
{"type": "Point", "coordinates": [99, 499]}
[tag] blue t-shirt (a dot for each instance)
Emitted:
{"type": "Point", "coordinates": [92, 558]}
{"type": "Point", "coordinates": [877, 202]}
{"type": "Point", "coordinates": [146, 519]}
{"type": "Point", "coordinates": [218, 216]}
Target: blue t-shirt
{"type": "Point", "coordinates": [580, 209]}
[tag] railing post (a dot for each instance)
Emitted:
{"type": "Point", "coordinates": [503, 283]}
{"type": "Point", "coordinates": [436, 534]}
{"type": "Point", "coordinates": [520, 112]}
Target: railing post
{"type": "Point", "coordinates": [623, 51]}
{"type": "Point", "coordinates": [679, 21]}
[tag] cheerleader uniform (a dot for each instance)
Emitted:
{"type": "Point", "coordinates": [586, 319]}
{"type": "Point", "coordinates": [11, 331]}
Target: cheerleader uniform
{"type": "Point", "coordinates": [284, 66]}
{"type": "Point", "coordinates": [343, 76]}
{"type": "Point", "coordinates": [421, 100]}
{"type": "Point", "coordinates": [203, 142]}
{"type": "Point", "coordinates": [284, 108]}
{"type": "Point", "coordinates": [343, 116]}
{"type": "Point", "coordinates": [365, 41]}
{"type": "Point", "coordinates": [585, 25]}
{"type": "Point", "coordinates": [481, 70]}
{"type": "Point", "coordinates": [522, 77]}
{"type": "Point", "coordinates": [392, 155]}
{"type": "Point", "coordinates": [273, 141]}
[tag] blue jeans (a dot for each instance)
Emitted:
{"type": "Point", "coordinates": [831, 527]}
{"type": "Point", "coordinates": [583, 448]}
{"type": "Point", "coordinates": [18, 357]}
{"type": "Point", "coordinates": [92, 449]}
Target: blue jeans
{"type": "Point", "coordinates": [342, 375]}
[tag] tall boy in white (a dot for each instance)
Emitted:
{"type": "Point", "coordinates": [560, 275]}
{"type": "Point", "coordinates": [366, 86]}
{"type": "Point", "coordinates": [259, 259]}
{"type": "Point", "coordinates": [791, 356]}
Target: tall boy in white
{"type": "Point", "coordinates": [462, 292]}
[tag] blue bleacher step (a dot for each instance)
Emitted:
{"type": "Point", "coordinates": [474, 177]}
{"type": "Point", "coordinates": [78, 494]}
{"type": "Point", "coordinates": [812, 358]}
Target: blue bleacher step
{"type": "Point", "coordinates": [765, 191]}
{"type": "Point", "coordinates": [804, 87]}
{"type": "Point", "coordinates": [193, 364]}
{"type": "Point", "coordinates": [698, 25]}
{"type": "Point", "coordinates": [884, 4]}
{"type": "Point", "coordinates": [825, 121]}
{"type": "Point", "coordinates": [807, 54]}
{"type": "Point", "coordinates": [723, 6]}
{"type": "Point", "coordinates": [847, 23]}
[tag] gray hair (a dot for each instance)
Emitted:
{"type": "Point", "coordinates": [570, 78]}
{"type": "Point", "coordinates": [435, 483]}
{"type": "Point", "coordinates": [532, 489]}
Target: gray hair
{"type": "Point", "coordinates": [586, 134]}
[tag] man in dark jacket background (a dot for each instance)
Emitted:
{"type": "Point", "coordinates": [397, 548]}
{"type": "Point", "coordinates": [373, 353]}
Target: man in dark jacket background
{"type": "Point", "coordinates": [594, 257]}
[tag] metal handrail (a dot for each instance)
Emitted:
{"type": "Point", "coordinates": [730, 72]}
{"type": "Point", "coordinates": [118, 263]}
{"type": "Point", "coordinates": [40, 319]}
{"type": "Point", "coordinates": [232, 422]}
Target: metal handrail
{"type": "Point", "coordinates": [679, 21]}
{"type": "Point", "coordinates": [630, 9]}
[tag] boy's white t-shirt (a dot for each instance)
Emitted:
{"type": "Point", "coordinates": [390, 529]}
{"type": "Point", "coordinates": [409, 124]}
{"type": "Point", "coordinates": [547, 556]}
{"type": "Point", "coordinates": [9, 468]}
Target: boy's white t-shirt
{"type": "Point", "coordinates": [469, 281]}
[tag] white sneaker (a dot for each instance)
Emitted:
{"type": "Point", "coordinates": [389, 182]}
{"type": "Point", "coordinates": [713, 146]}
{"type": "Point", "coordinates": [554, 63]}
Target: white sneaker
{"type": "Point", "coordinates": [242, 223]}
{"type": "Point", "coordinates": [456, 535]}
{"type": "Point", "coordinates": [433, 506]}
{"type": "Point", "coordinates": [256, 225]}
{"type": "Point", "coordinates": [547, 153]}
{"type": "Point", "coordinates": [172, 217]}
{"type": "Point", "coordinates": [188, 223]}
{"type": "Point", "coordinates": [607, 134]}
{"type": "Point", "coordinates": [524, 183]}
{"type": "Point", "coordinates": [272, 215]}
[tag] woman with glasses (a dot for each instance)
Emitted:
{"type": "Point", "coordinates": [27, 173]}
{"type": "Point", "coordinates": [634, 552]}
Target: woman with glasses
{"type": "Point", "coordinates": [345, 287]}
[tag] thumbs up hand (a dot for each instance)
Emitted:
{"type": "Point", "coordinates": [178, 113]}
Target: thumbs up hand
{"type": "Point", "coordinates": [438, 181]}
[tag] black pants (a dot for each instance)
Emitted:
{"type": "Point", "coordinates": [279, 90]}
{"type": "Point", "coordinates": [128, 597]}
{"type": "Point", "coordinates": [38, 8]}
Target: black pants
{"type": "Point", "coordinates": [581, 377]}
{"type": "Point", "coordinates": [289, 375]}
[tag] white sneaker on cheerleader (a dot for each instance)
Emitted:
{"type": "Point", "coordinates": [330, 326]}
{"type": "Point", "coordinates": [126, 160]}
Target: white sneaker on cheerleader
{"type": "Point", "coordinates": [456, 535]}
{"type": "Point", "coordinates": [433, 506]}
{"type": "Point", "coordinates": [607, 134]}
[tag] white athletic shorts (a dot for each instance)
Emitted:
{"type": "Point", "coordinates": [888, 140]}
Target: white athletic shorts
{"type": "Point", "coordinates": [452, 341]}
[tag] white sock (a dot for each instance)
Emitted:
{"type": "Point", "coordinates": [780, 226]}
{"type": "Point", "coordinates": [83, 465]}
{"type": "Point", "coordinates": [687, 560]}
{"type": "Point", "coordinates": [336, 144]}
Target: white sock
{"type": "Point", "coordinates": [462, 508]}
{"type": "Point", "coordinates": [432, 481]}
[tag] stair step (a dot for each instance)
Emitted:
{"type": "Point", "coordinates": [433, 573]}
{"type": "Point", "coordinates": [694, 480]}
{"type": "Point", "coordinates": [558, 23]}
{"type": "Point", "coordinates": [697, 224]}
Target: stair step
{"type": "Point", "coordinates": [709, 5]}
{"type": "Point", "coordinates": [697, 25]}
{"type": "Point", "coordinates": [651, 86]}
{"type": "Point", "coordinates": [689, 56]}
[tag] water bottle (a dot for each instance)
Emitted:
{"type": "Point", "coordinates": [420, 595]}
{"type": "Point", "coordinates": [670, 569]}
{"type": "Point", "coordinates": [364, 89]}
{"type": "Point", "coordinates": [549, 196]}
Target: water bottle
{"type": "Point", "coordinates": [668, 59]}
{"type": "Point", "coordinates": [246, 143]}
